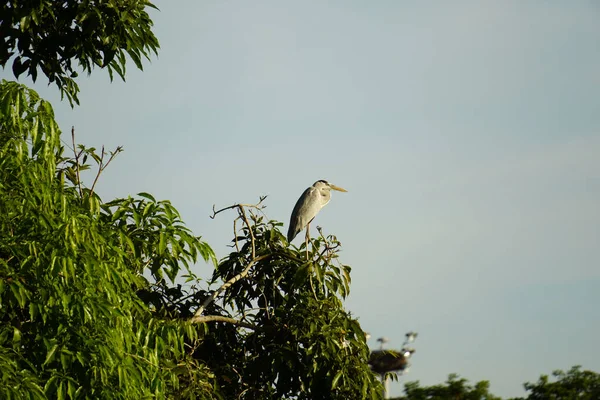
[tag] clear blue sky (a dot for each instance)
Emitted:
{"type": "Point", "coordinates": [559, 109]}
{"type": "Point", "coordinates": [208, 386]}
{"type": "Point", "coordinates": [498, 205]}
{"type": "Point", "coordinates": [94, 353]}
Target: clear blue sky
{"type": "Point", "coordinates": [466, 132]}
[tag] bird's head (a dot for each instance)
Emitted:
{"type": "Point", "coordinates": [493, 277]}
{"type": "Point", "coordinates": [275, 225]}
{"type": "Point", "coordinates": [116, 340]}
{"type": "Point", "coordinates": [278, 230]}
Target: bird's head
{"type": "Point", "coordinates": [323, 184]}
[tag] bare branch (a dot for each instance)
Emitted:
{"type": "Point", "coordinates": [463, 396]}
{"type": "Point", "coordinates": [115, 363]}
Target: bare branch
{"type": "Point", "coordinates": [320, 230]}
{"type": "Point", "coordinates": [312, 287]}
{"type": "Point", "coordinates": [258, 205]}
{"type": "Point", "coordinates": [98, 173]}
{"type": "Point", "coordinates": [103, 166]}
{"type": "Point", "coordinates": [329, 248]}
{"type": "Point", "coordinates": [244, 391]}
{"type": "Point", "coordinates": [266, 302]}
{"type": "Point", "coordinates": [226, 285]}
{"type": "Point", "coordinates": [252, 240]}
{"type": "Point", "coordinates": [237, 246]}
{"type": "Point", "coordinates": [76, 160]}
{"type": "Point", "coordinates": [217, 318]}
{"type": "Point", "coordinates": [254, 260]}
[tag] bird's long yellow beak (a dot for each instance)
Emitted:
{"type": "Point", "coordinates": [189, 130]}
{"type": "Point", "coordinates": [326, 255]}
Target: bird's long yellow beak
{"type": "Point", "coordinates": [339, 189]}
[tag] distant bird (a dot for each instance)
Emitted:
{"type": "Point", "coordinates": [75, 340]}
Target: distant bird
{"type": "Point", "coordinates": [310, 203]}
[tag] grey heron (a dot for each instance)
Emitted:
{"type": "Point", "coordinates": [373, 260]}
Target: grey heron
{"type": "Point", "coordinates": [309, 204]}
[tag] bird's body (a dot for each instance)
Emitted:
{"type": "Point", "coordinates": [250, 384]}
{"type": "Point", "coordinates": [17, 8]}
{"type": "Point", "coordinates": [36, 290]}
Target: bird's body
{"type": "Point", "coordinates": [308, 206]}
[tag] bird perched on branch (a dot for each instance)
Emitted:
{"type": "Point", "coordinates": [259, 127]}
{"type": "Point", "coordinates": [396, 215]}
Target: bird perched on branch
{"type": "Point", "coordinates": [310, 203]}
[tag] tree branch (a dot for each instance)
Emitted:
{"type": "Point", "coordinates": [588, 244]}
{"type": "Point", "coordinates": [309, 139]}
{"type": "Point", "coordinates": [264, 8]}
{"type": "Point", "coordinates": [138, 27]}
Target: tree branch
{"type": "Point", "coordinates": [98, 173]}
{"type": "Point", "coordinates": [226, 285]}
{"type": "Point", "coordinates": [252, 239]}
{"type": "Point", "coordinates": [258, 205]}
{"type": "Point", "coordinates": [255, 259]}
{"type": "Point", "coordinates": [76, 160]}
{"type": "Point", "coordinates": [103, 166]}
{"type": "Point", "coordinates": [217, 318]}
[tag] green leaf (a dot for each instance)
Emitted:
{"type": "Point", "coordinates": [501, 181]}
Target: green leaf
{"type": "Point", "coordinates": [16, 336]}
{"type": "Point", "coordinates": [50, 355]}
{"type": "Point", "coordinates": [147, 196]}
{"type": "Point", "coordinates": [162, 243]}
{"type": "Point", "coordinates": [336, 378]}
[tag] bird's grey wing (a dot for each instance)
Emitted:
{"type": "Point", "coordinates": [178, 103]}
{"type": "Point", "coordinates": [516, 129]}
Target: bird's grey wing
{"type": "Point", "coordinates": [306, 208]}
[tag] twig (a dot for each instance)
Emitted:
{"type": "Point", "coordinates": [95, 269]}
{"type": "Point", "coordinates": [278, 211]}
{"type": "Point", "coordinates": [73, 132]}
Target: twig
{"type": "Point", "coordinates": [98, 173]}
{"type": "Point", "coordinates": [312, 287]}
{"type": "Point", "coordinates": [257, 205]}
{"type": "Point", "coordinates": [103, 166]}
{"type": "Point", "coordinates": [246, 270]}
{"type": "Point", "coordinates": [320, 230]}
{"type": "Point", "coordinates": [328, 247]}
{"type": "Point", "coordinates": [235, 236]}
{"type": "Point", "coordinates": [252, 240]}
{"type": "Point", "coordinates": [217, 318]}
{"type": "Point", "coordinates": [266, 305]}
{"type": "Point", "coordinates": [226, 285]}
{"type": "Point", "coordinates": [76, 160]}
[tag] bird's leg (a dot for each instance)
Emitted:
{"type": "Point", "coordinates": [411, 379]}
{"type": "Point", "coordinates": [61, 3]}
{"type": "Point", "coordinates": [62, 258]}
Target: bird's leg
{"type": "Point", "coordinates": [307, 238]}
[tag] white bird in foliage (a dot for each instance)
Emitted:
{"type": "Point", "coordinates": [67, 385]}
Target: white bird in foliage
{"type": "Point", "coordinates": [308, 206]}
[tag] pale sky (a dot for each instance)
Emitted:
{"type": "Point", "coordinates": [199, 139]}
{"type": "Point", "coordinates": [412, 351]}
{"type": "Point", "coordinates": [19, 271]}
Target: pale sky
{"type": "Point", "coordinates": [466, 132]}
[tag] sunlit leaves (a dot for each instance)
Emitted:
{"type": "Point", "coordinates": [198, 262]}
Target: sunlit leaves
{"type": "Point", "coordinates": [61, 38]}
{"type": "Point", "coordinates": [306, 345]}
{"type": "Point", "coordinates": [155, 235]}
{"type": "Point", "coordinates": [566, 385]}
{"type": "Point", "coordinates": [454, 388]}
{"type": "Point", "coordinates": [72, 323]}
{"type": "Point", "coordinates": [93, 302]}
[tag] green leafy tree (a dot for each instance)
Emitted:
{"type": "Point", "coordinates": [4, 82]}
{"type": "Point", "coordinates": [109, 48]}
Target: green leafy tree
{"type": "Point", "coordinates": [60, 38]}
{"type": "Point", "coordinates": [296, 337]}
{"type": "Point", "coordinates": [91, 306]}
{"type": "Point", "coordinates": [454, 388]}
{"type": "Point", "coordinates": [71, 322]}
{"type": "Point", "coordinates": [574, 384]}
{"type": "Point", "coordinates": [98, 300]}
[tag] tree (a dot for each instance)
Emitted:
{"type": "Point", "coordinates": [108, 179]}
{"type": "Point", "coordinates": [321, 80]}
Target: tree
{"type": "Point", "coordinates": [49, 36]}
{"type": "Point", "coordinates": [92, 306]}
{"type": "Point", "coordinates": [297, 337]}
{"type": "Point", "coordinates": [71, 266]}
{"type": "Point", "coordinates": [454, 388]}
{"type": "Point", "coordinates": [574, 384]}
{"type": "Point", "coordinates": [98, 300]}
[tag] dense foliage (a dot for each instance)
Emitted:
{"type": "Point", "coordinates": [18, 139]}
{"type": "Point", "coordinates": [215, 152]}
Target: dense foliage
{"type": "Point", "coordinates": [454, 388]}
{"type": "Point", "coordinates": [60, 38]}
{"type": "Point", "coordinates": [91, 308]}
{"type": "Point", "coordinates": [303, 343]}
{"type": "Point", "coordinates": [72, 324]}
{"type": "Point", "coordinates": [569, 385]}
{"type": "Point", "coordinates": [98, 299]}
{"type": "Point", "coordinates": [574, 384]}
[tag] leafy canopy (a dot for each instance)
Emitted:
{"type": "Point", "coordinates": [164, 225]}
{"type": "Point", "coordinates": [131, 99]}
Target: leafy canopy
{"type": "Point", "coordinates": [71, 322]}
{"type": "Point", "coordinates": [300, 339]}
{"type": "Point", "coordinates": [60, 37]}
{"type": "Point", "coordinates": [97, 299]}
{"type": "Point", "coordinates": [574, 384]}
{"type": "Point", "coordinates": [454, 388]}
